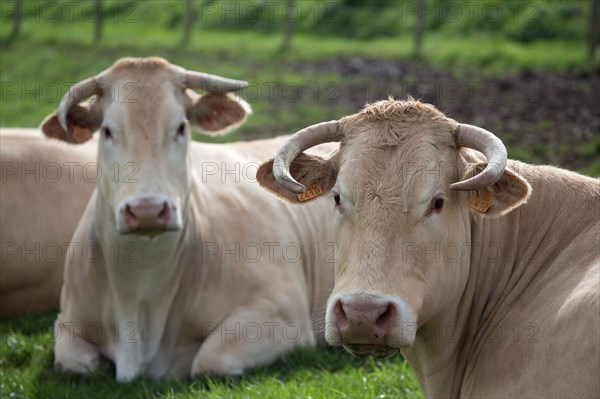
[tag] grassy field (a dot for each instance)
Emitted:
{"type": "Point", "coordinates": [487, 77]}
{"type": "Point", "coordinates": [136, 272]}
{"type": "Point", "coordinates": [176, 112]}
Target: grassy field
{"type": "Point", "coordinates": [38, 68]}
{"type": "Point", "coordinates": [306, 85]}
{"type": "Point", "coordinates": [47, 56]}
{"type": "Point", "coordinates": [26, 372]}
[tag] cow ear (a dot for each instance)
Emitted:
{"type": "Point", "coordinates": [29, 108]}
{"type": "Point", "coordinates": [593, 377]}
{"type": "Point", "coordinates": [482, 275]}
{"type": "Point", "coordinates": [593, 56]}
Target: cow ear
{"type": "Point", "coordinates": [317, 174]}
{"type": "Point", "coordinates": [217, 113]}
{"type": "Point", "coordinates": [508, 193]}
{"type": "Point", "coordinates": [82, 124]}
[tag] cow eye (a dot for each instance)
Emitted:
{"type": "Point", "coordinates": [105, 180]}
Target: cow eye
{"type": "Point", "coordinates": [437, 204]}
{"type": "Point", "coordinates": [336, 196]}
{"type": "Point", "coordinates": [180, 130]}
{"type": "Point", "coordinates": [107, 133]}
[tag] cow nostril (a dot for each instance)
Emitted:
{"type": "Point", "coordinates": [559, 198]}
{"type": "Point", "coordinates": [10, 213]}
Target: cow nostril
{"type": "Point", "coordinates": [340, 316]}
{"type": "Point", "coordinates": [129, 213]}
{"type": "Point", "coordinates": [164, 211]}
{"type": "Point", "coordinates": [384, 319]}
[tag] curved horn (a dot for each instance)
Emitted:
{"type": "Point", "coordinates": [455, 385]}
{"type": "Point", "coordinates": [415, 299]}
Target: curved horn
{"type": "Point", "coordinates": [79, 91]}
{"type": "Point", "coordinates": [212, 83]}
{"type": "Point", "coordinates": [306, 138]}
{"type": "Point", "coordinates": [489, 145]}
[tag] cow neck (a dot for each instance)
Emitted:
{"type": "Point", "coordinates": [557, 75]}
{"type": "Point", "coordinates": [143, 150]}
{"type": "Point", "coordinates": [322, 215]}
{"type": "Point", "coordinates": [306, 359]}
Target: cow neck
{"type": "Point", "coordinates": [446, 344]}
{"type": "Point", "coordinates": [522, 245]}
{"type": "Point", "coordinates": [436, 356]}
{"type": "Point", "coordinates": [144, 292]}
{"type": "Point", "coordinates": [507, 253]}
{"type": "Point", "coordinates": [141, 267]}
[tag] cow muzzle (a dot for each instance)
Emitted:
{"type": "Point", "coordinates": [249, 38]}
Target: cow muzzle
{"type": "Point", "coordinates": [147, 214]}
{"type": "Point", "coordinates": [369, 324]}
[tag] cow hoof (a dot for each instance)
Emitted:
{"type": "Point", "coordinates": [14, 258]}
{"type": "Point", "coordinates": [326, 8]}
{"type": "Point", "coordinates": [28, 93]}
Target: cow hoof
{"type": "Point", "coordinates": [217, 368]}
{"type": "Point", "coordinates": [104, 365]}
{"type": "Point", "coordinates": [58, 367]}
{"type": "Point", "coordinates": [99, 365]}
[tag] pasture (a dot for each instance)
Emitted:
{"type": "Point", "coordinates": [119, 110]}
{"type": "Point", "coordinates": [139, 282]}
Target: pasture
{"type": "Point", "coordinates": [26, 372]}
{"type": "Point", "coordinates": [539, 97]}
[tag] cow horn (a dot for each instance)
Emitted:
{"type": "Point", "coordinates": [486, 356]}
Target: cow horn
{"type": "Point", "coordinates": [489, 145]}
{"type": "Point", "coordinates": [325, 132]}
{"type": "Point", "coordinates": [212, 83]}
{"type": "Point", "coordinates": [78, 92]}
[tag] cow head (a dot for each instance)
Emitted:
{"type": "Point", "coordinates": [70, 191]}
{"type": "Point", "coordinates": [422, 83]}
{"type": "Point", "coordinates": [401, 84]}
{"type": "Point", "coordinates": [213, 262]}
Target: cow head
{"type": "Point", "coordinates": [403, 184]}
{"type": "Point", "coordinates": [143, 108]}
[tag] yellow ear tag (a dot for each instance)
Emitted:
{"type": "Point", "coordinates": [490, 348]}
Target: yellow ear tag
{"type": "Point", "coordinates": [81, 135]}
{"type": "Point", "coordinates": [310, 194]}
{"type": "Point", "coordinates": [480, 200]}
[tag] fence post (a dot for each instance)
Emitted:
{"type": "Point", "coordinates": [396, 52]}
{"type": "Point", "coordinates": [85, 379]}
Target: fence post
{"type": "Point", "coordinates": [188, 21]}
{"type": "Point", "coordinates": [17, 17]}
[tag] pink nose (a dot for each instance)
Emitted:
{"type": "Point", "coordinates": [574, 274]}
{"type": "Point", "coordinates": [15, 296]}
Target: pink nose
{"type": "Point", "coordinates": [147, 214]}
{"type": "Point", "coordinates": [364, 319]}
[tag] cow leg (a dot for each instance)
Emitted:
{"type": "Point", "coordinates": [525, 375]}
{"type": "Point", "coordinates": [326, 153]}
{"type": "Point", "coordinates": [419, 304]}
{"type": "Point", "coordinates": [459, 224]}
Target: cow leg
{"type": "Point", "coordinates": [73, 354]}
{"type": "Point", "coordinates": [248, 339]}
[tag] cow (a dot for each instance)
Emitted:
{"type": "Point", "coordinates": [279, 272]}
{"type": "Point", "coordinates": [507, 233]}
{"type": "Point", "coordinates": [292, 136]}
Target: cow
{"type": "Point", "coordinates": [179, 265]}
{"type": "Point", "coordinates": [482, 272]}
{"type": "Point", "coordinates": [45, 187]}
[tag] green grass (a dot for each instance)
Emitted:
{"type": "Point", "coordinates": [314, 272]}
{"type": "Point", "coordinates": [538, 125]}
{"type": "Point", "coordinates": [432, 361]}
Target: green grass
{"type": "Point", "coordinates": [26, 372]}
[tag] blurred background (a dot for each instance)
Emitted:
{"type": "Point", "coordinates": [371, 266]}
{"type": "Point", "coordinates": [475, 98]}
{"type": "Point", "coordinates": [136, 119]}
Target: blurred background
{"type": "Point", "coordinates": [528, 70]}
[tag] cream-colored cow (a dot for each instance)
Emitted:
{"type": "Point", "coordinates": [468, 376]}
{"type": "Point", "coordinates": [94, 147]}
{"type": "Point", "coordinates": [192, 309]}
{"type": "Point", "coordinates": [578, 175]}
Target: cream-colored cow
{"type": "Point", "coordinates": [190, 269]}
{"type": "Point", "coordinates": [484, 274]}
{"type": "Point", "coordinates": [45, 187]}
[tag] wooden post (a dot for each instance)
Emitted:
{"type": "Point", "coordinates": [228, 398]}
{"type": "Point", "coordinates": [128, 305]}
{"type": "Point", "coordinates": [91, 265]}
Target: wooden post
{"type": "Point", "coordinates": [17, 16]}
{"type": "Point", "coordinates": [594, 29]}
{"type": "Point", "coordinates": [419, 28]}
{"type": "Point", "coordinates": [99, 22]}
{"type": "Point", "coordinates": [288, 26]}
{"type": "Point", "coordinates": [188, 21]}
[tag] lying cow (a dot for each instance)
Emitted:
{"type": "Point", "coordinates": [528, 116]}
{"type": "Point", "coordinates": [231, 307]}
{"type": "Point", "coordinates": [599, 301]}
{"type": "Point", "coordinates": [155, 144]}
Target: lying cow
{"type": "Point", "coordinates": [45, 187]}
{"type": "Point", "coordinates": [483, 274]}
{"type": "Point", "coordinates": [180, 266]}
